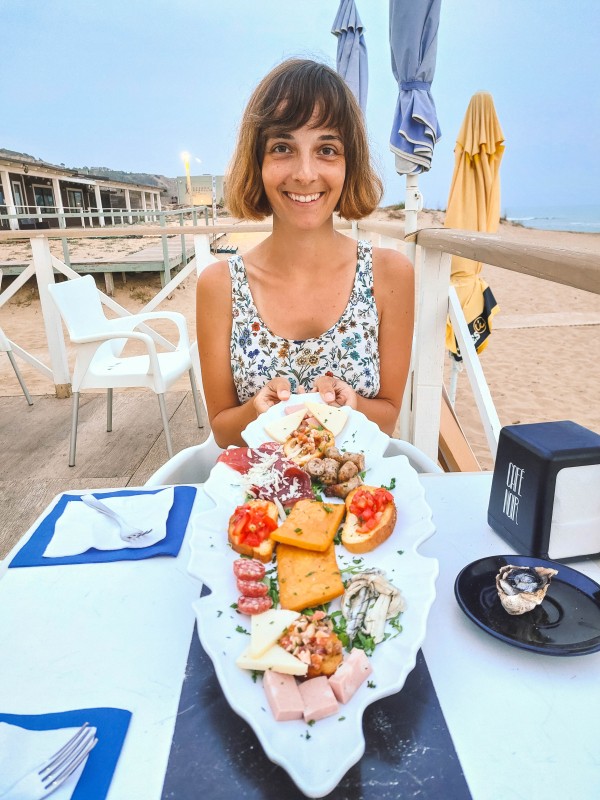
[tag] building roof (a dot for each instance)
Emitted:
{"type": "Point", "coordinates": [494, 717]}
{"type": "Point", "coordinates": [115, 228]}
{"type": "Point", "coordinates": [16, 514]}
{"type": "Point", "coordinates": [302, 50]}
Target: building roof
{"type": "Point", "coordinates": [22, 162]}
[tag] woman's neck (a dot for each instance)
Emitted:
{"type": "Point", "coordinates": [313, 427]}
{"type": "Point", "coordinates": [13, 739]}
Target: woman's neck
{"type": "Point", "coordinates": [287, 247]}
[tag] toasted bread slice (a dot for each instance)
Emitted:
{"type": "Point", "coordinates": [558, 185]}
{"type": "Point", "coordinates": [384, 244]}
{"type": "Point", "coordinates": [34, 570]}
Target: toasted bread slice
{"type": "Point", "coordinates": [264, 551]}
{"type": "Point", "coordinates": [357, 542]}
{"type": "Point", "coordinates": [301, 452]}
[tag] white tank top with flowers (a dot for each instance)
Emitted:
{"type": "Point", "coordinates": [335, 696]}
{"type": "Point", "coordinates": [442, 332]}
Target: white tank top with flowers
{"type": "Point", "coordinates": [348, 350]}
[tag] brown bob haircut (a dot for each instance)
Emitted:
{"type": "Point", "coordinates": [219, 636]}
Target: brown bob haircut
{"type": "Point", "coordinates": [284, 101]}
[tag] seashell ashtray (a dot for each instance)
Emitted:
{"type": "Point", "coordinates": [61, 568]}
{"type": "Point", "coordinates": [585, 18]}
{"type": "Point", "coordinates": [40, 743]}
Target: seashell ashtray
{"type": "Point", "coordinates": [521, 589]}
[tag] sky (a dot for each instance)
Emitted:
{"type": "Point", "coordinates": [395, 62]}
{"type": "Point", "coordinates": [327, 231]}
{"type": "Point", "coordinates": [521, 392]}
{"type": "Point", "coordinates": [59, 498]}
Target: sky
{"type": "Point", "coordinates": [130, 84]}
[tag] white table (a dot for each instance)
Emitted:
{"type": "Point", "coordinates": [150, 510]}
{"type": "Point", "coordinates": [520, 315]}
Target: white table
{"type": "Point", "coordinates": [111, 634]}
{"type": "Point", "coordinates": [524, 725]}
{"type": "Point", "coordinates": [118, 634]}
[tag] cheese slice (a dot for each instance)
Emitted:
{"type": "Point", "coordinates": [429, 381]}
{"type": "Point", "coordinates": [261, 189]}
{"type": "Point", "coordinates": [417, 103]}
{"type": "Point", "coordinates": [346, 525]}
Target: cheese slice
{"type": "Point", "coordinates": [266, 628]}
{"type": "Point", "coordinates": [330, 417]}
{"type": "Point", "coordinates": [276, 658]}
{"type": "Point", "coordinates": [279, 429]}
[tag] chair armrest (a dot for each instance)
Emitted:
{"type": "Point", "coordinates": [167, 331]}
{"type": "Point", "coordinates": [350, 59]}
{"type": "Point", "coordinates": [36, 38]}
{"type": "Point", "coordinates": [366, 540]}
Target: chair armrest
{"type": "Point", "coordinates": [133, 320]}
{"type": "Point", "coordinates": [145, 338]}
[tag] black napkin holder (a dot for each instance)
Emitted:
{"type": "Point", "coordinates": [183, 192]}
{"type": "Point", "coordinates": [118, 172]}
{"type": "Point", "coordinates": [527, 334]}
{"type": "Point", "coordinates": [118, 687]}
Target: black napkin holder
{"type": "Point", "coordinates": [543, 501]}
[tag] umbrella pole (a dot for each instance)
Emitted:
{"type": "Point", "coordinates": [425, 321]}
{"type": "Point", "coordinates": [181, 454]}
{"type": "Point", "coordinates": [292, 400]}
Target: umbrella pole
{"type": "Point", "coordinates": [412, 205]}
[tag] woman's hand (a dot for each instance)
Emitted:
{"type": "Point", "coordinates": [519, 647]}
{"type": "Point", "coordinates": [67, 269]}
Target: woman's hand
{"type": "Point", "coordinates": [273, 392]}
{"type": "Point", "coordinates": [335, 392]}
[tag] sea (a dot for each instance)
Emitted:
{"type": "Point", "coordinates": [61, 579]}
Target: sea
{"type": "Point", "coordinates": [580, 219]}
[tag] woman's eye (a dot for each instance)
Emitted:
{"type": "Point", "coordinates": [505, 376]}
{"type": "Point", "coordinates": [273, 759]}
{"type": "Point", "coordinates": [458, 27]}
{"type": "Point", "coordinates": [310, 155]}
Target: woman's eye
{"type": "Point", "coordinates": [328, 150]}
{"type": "Point", "coordinates": [280, 148]}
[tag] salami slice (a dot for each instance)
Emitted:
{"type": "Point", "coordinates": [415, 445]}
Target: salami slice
{"type": "Point", "coordinates": [254, 605]}
{"type": "Point", "coordinates": [252, 588]}
{"type": "Point", "coordinates": [248, 569]}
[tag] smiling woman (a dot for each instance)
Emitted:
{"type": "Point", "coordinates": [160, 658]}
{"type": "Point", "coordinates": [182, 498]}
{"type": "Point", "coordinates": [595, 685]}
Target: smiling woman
{"type": "Point", "coordinates": [308, 308]}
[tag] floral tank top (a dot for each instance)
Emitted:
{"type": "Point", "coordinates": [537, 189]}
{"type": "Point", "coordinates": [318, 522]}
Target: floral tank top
{"type": "Point", "coordinates": [348, 350]}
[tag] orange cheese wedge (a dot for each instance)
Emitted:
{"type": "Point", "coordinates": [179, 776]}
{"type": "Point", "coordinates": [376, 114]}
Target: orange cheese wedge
{"type": "Point", "coordinates": [307, 578]}
{"type": "Point", "coordinates": [310, 525]}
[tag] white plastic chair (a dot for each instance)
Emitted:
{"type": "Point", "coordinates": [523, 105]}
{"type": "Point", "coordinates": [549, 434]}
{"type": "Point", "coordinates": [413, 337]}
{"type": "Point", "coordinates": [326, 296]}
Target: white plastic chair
{"type": "Point", "coordinates": [99, 342]}
{"type": "Point", "coordinates": [193, 464]}
{"type": "Point", "coordinates": [5, 347]}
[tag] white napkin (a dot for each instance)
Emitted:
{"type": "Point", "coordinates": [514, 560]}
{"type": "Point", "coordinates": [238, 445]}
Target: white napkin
{"type": "Point", "coordinates": [22, 751]}
{"type": "Point", "coordinates": [79, 527]}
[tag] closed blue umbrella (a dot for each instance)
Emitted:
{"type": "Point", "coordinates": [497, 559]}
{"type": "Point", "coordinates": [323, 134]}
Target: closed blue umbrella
{"type": "Point", "coordinates": [351, 61]}
{"type": "Point", "coordinates": [413, 43]}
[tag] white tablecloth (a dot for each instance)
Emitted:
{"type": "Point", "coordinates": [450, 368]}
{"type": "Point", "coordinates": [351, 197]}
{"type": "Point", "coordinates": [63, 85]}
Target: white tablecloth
{"type": "Point", "coordinates": [118, 634]}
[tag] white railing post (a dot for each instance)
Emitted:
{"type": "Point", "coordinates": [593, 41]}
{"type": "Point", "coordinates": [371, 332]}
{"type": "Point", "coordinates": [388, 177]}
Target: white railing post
{"type": "Point", "coordinates": [59, 363]}
{"type": "Point", "coordinates": [432, 313]}
{"type": "Point", "coordinates": [481, 391]}
{"type": "Point", "coordinates": [202, 251]}
{"type": "Point", "coordinates": [203, 257]}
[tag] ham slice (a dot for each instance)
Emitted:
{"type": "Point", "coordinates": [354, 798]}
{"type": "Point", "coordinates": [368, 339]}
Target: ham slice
{"type": "Point", "coordinates": [350, 675]}
{"type": "Point", "coordinates": [318, 698]}
{"type": "Point", "coordinates": [283, 695]}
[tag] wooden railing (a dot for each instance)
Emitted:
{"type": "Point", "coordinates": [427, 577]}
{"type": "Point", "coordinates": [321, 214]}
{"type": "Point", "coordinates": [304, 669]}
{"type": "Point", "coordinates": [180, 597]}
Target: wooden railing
{"type": "Point", "coordinates": [420, 421]}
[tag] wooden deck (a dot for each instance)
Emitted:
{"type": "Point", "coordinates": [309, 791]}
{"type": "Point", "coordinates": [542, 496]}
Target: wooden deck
{"type": "Point", "coordinates": [149, 259]}
{"type": "Point", "coordinates": [34, 442]}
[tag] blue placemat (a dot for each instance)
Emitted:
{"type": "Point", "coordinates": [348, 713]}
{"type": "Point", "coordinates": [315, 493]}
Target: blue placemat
{"type": "Point", "coordinates": [111, 725]}
{"type": "Point", "coordinates": [32, 552]}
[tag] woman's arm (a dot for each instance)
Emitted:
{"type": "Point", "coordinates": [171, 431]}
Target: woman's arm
{"type": "Point", "coordinates": [228, 417]}
{"type": "Point", "coordinates": [393, 287]}
{"type": "Point", "coordinates": [213, 326]}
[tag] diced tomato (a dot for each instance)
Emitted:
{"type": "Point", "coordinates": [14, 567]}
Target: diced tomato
{"type": "Point", "coordinates": [369, 507]}
{"type": "Point", "coordinates": [251, 524]}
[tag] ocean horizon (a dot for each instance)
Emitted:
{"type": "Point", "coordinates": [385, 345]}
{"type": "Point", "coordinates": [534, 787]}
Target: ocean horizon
{"type": "Point", "coordinates": [579, 219]}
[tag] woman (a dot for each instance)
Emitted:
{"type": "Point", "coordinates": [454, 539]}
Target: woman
{"type": "Point", "coordinates": [307, 309]}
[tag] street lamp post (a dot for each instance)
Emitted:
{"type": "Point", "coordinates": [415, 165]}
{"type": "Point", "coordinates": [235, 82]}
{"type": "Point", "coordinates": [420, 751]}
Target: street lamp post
{"type": "Point", "coordinates": [188, 181]}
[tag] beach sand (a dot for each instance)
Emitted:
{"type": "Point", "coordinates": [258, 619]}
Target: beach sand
{"type": "Point", "coordinates": [541, 363]}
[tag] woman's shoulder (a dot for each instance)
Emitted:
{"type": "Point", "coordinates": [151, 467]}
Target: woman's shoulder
{"type": "Point", "coordinates": [390, 264]}
{"type": "Point", "coordinates": [215, 278]}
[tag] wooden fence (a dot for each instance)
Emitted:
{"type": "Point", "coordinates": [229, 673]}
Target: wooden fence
{"type": "Point", "coordinates": [420, 422]}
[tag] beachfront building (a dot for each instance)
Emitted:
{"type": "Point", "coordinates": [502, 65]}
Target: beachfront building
{"type": "Point", "coordinates": [36, 194]}
{"type": "Point", "coordinates": [203, 189]}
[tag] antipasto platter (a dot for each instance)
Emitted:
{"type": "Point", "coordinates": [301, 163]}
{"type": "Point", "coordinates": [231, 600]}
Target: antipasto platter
{"type": "Point", "coordinates": [248, 649]}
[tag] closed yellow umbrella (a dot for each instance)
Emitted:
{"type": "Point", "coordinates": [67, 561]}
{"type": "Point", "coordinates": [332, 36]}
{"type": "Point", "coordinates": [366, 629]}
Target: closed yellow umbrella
{"type": "Point", "coordinates": [474, 204]}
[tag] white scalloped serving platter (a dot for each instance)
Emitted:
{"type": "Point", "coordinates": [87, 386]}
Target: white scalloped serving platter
{"type": "Point", "coordinates": [306, 752]}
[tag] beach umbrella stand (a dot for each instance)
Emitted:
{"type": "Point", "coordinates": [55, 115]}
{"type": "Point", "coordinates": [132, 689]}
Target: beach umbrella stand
{"type": "Point", "coordinates": [413, 28]}
{"type": "Point", "coordinates": [474, 204]}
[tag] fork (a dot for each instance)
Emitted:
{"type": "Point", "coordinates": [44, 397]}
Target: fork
{"type": "Point", "coordinates": [46, 778]}
{"type": "Point", "coordinates": [126, 531]}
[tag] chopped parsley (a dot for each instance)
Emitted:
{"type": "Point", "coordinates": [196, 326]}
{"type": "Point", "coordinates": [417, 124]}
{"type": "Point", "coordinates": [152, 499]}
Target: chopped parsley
{"type": "Point", "coordinates": [391, 486]}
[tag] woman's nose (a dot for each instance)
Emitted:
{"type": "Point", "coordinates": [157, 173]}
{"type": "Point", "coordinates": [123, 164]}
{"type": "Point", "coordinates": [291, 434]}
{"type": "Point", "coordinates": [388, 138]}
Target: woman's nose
{"type": "Point", "coordinates": [305, 168]}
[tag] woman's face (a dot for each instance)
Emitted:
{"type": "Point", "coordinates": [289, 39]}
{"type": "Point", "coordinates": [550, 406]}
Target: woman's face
{"type": "Point", "coordinates": [303, 173]}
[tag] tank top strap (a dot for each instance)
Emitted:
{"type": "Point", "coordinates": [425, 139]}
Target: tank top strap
{"type": "Point", "coordinates": [240, 288]}
{"type": "Point", "coordinates": [364, 265]}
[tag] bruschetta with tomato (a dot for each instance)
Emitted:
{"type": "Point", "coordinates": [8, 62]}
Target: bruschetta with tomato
{"type": "Point", "coordinates": [370, 518]}
{"type": "Point", "coordinates": [250, 527]}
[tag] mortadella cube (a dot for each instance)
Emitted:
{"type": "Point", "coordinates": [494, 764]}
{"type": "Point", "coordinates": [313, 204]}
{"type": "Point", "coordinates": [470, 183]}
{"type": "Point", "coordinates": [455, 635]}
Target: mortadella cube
{"type": "Point", "coordinates": [350, 674]}
{"type": "Point", "coordinates": [283, 696]}
{"type": "Point", "coordinates": [319, 700]}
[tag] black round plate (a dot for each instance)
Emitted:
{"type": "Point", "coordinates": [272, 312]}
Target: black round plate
{"type": "Point", "coordinates": [567, 623]}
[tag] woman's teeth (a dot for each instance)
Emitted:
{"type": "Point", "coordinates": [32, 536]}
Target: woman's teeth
{"type": "Point", "coordinates": [304, 198]}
